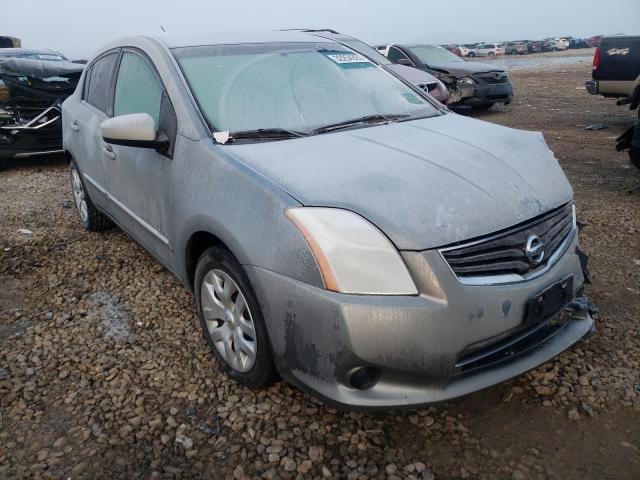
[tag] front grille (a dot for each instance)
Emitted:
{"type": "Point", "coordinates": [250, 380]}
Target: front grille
{"type": "Point", "coordinates": [505, 253]}
{"type": "Point", "coordinates": [493, 78]}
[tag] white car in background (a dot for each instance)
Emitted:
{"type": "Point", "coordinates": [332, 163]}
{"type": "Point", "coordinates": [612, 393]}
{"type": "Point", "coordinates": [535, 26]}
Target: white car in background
{"type": "Point", "coordinates": [555, 44]}
{"type": "Point", "coordinates": [486, 50]}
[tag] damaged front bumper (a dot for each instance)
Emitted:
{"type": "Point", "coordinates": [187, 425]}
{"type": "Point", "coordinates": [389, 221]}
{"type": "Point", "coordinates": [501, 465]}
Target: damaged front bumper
{"type": "Point", "coordinates": [404, 351]}
{"type": "Point", "coordinates": [30, 105]}
{"type": "Point", "coordinates": [489, 94]}
{"type": "Point", "coordinates": [30, 131]}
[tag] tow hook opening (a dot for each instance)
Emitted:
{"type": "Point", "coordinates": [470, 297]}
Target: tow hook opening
{"type": "Point", "coordinates": [363, 378]}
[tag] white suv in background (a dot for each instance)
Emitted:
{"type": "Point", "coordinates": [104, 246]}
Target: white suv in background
{"type": "Point", "coordinates": [486, 50]}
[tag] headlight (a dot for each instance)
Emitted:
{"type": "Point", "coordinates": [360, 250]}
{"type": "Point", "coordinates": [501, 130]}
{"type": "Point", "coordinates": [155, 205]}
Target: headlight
{"type": "Point", "coordinates": [352, 254]}
{"type": "Point", "coordinates": [466, 81]}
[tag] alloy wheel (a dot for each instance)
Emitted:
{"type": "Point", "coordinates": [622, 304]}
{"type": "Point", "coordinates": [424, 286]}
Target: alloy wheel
{"type": "Point", "coordinates": [79, 196]}
{"type": "Point", "coordinates": [229, 321]}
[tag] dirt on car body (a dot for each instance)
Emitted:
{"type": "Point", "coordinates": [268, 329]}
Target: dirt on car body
{"type": "Point", "coordinates": [78, 401]}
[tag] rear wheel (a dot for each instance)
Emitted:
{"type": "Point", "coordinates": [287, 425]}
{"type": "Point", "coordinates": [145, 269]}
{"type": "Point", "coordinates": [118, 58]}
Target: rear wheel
{"type": "Point", "coordinates": [90, 217]}
{"type": "Point", "coordinates": [231, 319]}
{"type": "Point", "coordinates": [634, 151]}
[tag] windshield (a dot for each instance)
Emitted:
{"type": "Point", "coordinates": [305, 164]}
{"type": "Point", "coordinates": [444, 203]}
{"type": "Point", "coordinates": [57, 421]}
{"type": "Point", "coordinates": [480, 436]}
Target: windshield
{"type": "Point", "coordinates": [299, 87]}
{"type": "Point", "coordinates": [432, 55]}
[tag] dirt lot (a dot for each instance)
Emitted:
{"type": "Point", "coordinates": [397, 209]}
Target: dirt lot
{"type": "Point", "coordinates": [104, 373]}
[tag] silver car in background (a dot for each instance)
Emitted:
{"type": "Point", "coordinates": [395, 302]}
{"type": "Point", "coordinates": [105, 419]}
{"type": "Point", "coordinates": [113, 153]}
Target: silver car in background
{"type": "Point", "coordinates": [337, 226]}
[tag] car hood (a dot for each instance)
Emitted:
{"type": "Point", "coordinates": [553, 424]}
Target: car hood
{"type": "Point", "coordinates": [425, 183]}
{"type": "Point", "coordinates": [412, 75]}
{"type": "Point", "coordinates": [465, 68]}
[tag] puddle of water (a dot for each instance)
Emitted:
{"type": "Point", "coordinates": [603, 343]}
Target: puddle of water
{"type": "Point", "coordinates": [525, 63]}
{"type": "Point", "coordinates": [113, 317]}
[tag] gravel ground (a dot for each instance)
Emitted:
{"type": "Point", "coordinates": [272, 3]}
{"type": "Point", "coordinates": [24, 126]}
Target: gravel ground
{"type": "Point", "coordinates": [104, 372]}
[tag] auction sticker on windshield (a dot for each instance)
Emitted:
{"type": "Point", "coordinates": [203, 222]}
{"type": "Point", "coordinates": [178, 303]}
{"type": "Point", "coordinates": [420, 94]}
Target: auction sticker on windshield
{"type": "Point", "coordinates": [347, 57]}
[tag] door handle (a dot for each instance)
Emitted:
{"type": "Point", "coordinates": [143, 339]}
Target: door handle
{"type": "Point", "coordinates": [108, 152]}
{"type": "Point", "coordinates": [74, 126]}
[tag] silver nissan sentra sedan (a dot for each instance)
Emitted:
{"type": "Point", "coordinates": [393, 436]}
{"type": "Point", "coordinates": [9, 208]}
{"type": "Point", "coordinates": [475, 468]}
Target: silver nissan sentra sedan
{"type": "Point", "coordinates": [337, 226]}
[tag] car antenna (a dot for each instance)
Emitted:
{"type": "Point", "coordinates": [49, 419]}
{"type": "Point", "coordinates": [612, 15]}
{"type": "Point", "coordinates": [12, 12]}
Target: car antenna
{"type": "Point", "coordinates": [162, 28]}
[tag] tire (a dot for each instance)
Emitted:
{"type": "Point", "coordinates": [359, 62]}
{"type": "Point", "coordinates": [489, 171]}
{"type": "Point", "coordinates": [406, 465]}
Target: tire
{"type": "Point", "coordinates": [634, 157]}
{"type": "Point", "coordinates": [224, 328]}
{"type": "Point", "coordinates": [634, 151]}
{"type": "Point", "coordinates": [471, 54]}
{"type": "Point", "coordinates": [491, 54]}
{"type": "Point", "coordinates": [90, 217]}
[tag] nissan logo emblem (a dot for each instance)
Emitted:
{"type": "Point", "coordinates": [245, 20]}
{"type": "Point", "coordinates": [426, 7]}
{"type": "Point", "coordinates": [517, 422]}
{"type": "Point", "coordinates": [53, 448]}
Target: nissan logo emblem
{"type": "Point", "coordinates": [534, 250]}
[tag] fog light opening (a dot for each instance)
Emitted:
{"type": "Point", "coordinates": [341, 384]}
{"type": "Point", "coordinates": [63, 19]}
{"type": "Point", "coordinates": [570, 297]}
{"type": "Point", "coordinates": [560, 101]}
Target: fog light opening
{"type": "Point", "coordinates": [363, 378]}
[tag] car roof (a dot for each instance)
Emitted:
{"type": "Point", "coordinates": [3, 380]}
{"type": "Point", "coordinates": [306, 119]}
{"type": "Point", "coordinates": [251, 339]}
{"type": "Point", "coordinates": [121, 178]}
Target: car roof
{"type": "Point", "coordinates": [409, 45]}
{"type": "Point", "coordinates": [187, 39]}
{"type": "Point", "coordinates": [10, 52]}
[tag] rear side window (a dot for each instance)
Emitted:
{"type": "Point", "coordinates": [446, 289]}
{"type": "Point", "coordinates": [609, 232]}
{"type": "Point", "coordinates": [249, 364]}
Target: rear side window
{"type": "Point", "coordinates": [138, 90]}
{"type": "Point", "coordinates": [98, 81]}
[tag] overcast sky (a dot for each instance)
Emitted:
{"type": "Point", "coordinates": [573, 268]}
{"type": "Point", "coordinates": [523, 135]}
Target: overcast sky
{"type": "Point", "coordinates": [78, 27]}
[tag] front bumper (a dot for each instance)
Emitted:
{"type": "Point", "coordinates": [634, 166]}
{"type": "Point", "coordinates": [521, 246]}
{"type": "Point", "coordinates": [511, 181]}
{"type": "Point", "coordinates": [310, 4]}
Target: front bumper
{"type": "Point", "coordinates": [485, 94]}
{"type": "Point", "coordinates": [592, 86]}
{"type": "Point", "coordinates": [418, 345]}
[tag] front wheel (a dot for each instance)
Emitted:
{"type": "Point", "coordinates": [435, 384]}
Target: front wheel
{"type": "Point", "coordinates": [231, 319]}
{"type": "Point", "coordinates": [90, 217]}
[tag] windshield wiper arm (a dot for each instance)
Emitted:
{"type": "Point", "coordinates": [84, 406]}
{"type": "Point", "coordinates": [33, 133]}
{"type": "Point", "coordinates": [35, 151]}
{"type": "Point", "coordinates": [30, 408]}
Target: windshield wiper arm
{"type": "Point", "coordinates": [377, 118]}
{"type": "Point", "coordinates": [273, 133]}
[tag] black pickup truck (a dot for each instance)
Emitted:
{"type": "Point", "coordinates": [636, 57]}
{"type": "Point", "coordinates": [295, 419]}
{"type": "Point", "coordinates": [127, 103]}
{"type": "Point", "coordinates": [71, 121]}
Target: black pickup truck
{"type": "Point", "coordinates": [616, 73]}
{"type": "Point", "coordinates": [616, 69]}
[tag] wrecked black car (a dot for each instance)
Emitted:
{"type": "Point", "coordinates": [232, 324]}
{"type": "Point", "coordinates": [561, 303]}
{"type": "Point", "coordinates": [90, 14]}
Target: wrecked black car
{"type": "Point", "coordinates": [33, 85]}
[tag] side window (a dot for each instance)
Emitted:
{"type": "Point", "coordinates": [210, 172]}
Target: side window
{"type": "Point", "coordinates": [87, 81]}
{"type": "Point", "coordinates": [138, 90]}
{"type": "Point", "coordinates": [395, 55]}
{"type": "Point", "coordinates": [99, 82]}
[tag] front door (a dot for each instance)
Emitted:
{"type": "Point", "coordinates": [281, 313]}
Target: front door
{"type": "Point", "coordinates": [139, 179]}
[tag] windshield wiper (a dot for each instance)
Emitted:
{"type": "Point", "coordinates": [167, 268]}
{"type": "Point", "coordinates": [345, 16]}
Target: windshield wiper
{"type": "Point", "coordinates": [268, 133]}
{"type": "Point", "coordinates": [378, 118]}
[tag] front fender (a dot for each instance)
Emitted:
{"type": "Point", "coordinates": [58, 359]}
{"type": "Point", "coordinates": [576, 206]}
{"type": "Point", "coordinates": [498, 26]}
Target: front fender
{"type": "Point", "coordinates": [245, 211]}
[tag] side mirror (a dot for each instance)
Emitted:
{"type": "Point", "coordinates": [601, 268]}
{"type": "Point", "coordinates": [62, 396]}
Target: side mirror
{"type": "Point", "coordinates": [405, 61]}
{"type": "Point", "coordinates": [133, 130]}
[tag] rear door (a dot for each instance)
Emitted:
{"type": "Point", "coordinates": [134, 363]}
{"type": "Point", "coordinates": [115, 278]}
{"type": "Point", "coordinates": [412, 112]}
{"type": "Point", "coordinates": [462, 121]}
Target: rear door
{"type": "Point", "coordinates": [139, 179]}
{"type": "Point", "coordinates": [83, 125]}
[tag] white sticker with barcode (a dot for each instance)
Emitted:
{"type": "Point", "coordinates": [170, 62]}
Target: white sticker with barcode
{"type": "Point", "coordinates": [346, 57]}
